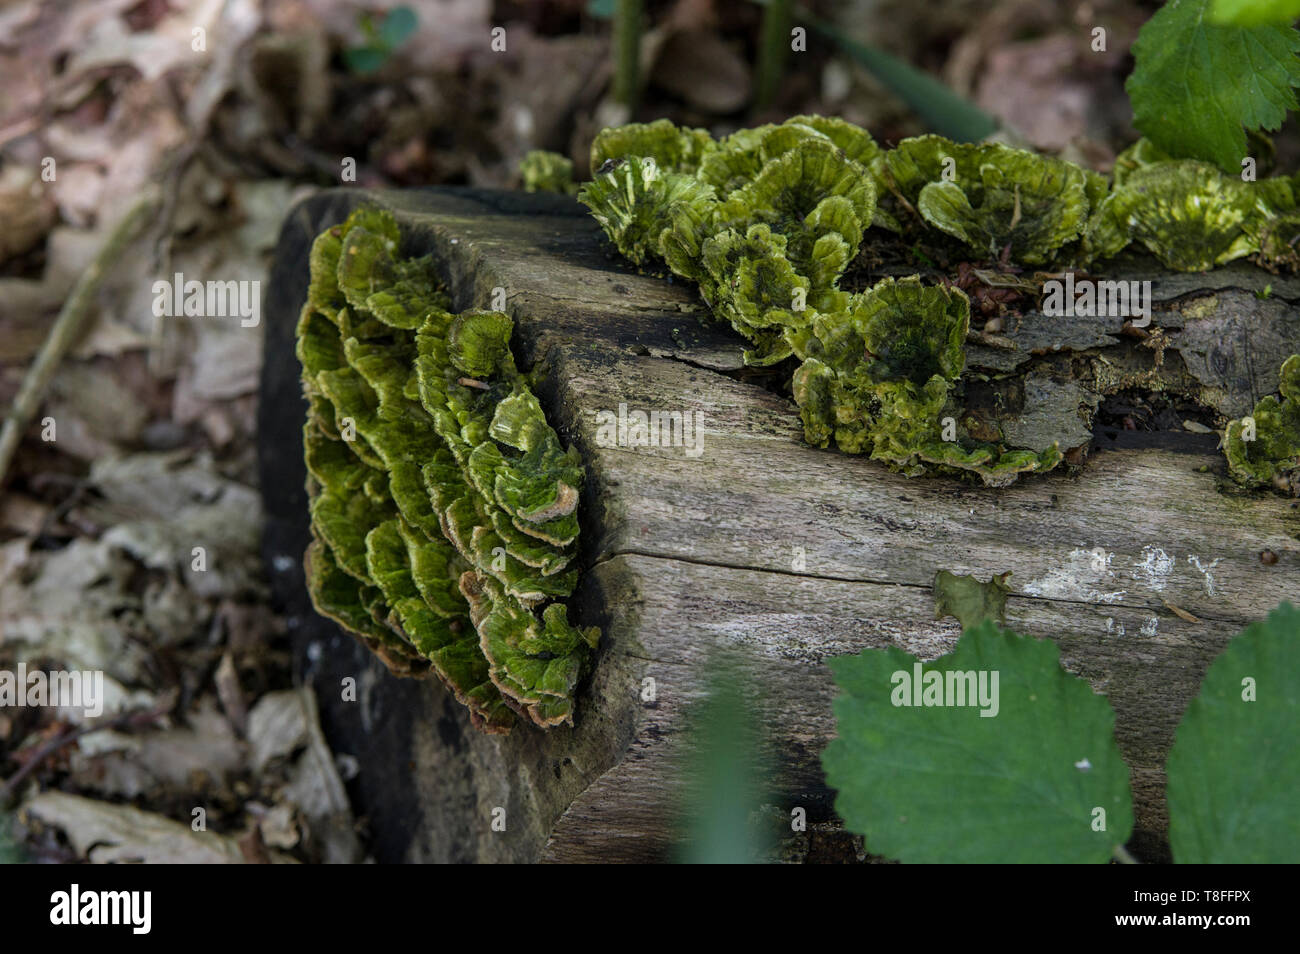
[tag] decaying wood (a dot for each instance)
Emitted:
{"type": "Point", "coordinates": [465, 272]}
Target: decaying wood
{"type": "Point", "coordinates": [763, 545]}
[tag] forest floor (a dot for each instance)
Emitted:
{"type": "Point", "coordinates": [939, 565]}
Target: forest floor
{"type": "Point", "coordinates": [129, 543]}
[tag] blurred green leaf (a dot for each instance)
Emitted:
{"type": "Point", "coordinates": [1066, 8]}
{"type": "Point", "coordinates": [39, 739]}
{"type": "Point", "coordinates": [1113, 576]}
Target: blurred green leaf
{"type": "Point", "coordinates": [725, 773]}
{"type": "Point", "coordinates": [11, 852]}
{"type": "Point", "coordinates": [1234, 769]}
{"type": "Point", "coordinates": [601, 9]}
{"type": "Point", "coordinates": [398, 27]}
{"type": "Point", "coordinates": [364, 59]}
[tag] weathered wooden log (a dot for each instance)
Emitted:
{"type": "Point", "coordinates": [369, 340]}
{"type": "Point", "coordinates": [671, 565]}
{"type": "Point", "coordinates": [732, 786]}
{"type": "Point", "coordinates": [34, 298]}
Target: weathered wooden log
{"type": "Point", "coordinates": [761, 544]}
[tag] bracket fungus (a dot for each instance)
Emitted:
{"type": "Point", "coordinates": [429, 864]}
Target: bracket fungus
{"type": "Point", "coordinates": [1264, 449]}
{"type": "Point", "coordinates": [993, 197]}
{"type": "Point", "coordinates": [1193, 216]}
{"type": "Point", "coordinates": [769, 221]}
{"type": "Point", "coordinates": [543, 171]}
{"type": "Point", "coordinates": [443, 506]}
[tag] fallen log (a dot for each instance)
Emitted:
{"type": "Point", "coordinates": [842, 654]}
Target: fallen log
{"type": "Point", "coordinates": [753, 541]}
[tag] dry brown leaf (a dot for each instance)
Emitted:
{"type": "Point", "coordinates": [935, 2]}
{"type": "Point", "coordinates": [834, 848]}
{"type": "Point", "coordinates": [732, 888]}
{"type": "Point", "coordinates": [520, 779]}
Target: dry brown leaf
{"type": "Point", "coordinates": [102, 833]}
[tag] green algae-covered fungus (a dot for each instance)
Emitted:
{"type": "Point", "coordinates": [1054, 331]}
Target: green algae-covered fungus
{"type": "Point", "coordinates": [673, 149]}
{"type": "Point", "coordinates": [543, 171]}
{"type": "Point", "coordinates": [768, 221]}
{"type": "Point", "coordinates": [766, 225]}
{"type": "Point", "coordinates": [1264, 449]}
{"type": "Point", "coordinates": [634, 200]}
{"type": "Point", "coordinates": [1193, 216]}
{"type": "Point", "coordinates": [880, 377]}
{"type": "Point", "coordinates": [993, 197]}
{"type": "Point", "coordinates": [443, 506]}
{"type": "Point", "coordinates": [1188, 214]}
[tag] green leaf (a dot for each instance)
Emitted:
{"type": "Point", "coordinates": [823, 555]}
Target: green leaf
{"type": "Point", "coordinates": [947, 783]}
{"type": "Point", "coordinates": [1254, 12]}
{"type": "Point", "coordinates": [1197, 86]}
{"type": "Point", "coordinates": [1234, 769]}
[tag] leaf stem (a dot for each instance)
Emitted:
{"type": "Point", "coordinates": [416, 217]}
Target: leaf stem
{"type": "Point", "coordinates": [942, 109]}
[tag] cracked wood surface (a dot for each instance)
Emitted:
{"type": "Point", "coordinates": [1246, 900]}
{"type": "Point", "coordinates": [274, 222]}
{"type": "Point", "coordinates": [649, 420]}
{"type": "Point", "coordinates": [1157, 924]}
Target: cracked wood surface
{"type": "Point", "coordinates": [685, 556]}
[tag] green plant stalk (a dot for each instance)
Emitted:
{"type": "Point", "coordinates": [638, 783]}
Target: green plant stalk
{"type": "Point", "coordinates": [774, 43]}
{"type": "Point", "coordinates": [627, 51]}
{"type": "Point", "coordinates": [68, 326]}
{"type": "Point", "coordinates": [943, 110]}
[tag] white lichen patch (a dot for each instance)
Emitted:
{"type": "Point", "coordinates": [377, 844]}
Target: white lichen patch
{"type": "Point", "coordinates": [1155, 568]}
{"type": "Point", "coordinates": [789, 636]}
{"type": "Point", "coordinates": [1085, 576]}
{"type": "Point", "coordinates": [1205, 571]}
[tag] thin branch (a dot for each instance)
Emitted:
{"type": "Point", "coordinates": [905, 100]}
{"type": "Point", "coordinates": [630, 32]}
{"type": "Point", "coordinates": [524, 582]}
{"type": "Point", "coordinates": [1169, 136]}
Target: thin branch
{"type": "Point", "coordinates": [131, 717]}
{"type": "Point", "coordinates": [67, 329]}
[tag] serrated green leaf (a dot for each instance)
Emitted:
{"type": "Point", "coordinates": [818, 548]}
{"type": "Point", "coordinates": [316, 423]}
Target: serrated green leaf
{"type": "Point", "coordinates": [1234, 769]}
{"type": "Point", "coordinates": [947, 783]}
{"type": "Point", "coordinates": [1198, 86]}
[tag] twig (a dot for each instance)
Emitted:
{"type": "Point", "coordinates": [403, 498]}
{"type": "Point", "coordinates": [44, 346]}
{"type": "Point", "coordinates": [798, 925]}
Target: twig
{"type": "Point", "coordinates": [1123, 857]}
{"type": "Point", "coordinates": [66, 329]}
{"type": "Point", "coordinates": [48, 748]}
